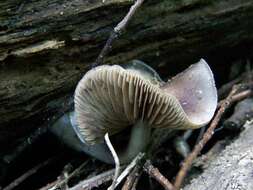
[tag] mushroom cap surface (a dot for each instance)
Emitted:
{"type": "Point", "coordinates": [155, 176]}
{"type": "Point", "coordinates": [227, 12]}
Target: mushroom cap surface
{"type": "Point", "coordinates": [111, 98]}
{"type": "Point", "coordinates": [195, 89]}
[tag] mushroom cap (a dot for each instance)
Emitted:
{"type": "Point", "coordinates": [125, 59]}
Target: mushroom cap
{"type": "Point", "coordinates": [195, 89]}
{"type": "Point", "coordinates": [111, 98]}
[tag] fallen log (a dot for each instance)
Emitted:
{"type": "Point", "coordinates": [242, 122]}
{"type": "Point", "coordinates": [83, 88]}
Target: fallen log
{"type": "Point", "coordinates": [46, 46]}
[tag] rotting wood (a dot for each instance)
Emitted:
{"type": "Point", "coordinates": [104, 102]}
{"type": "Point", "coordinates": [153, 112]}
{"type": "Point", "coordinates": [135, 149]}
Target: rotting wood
{"type": "Point", "coordinates": [232, 169]}
{"type": "Point", "coordinates": [45, 46]}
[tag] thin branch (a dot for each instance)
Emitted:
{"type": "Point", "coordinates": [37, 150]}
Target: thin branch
{"type": "Point", "coordinates": [132, 179]}
{"type": "Point", "coordinates": [244, 77]}
{"type": "Point", "coordinates": [103, 178]}
{"type": "Point", "coordinates": [226, 88]}
{"type": "Point", "coordinates": [29, 173]}
{"type": "Point", "coordinates": [49, 185]}
{"type": "Point", "coordinates": [106, 176]}
{"type": "Point", "coordinates": [123, 24]}
{"type": "Point", "coordinates": [238, 97]}
{"type": "Point", "coordinates": [65, 181]}
{"type": "Point", "coordinates": [118, 30]}
{"type": "Point", "coordinates": [95, 181]}
{"type": "Point", "coordinates": [129, 168]}
{"type": "Point", "coordinates": [136, 180]}
{"type": "Point", "coordinates": [207, 136]}
{"type": "Point", "coordinates": [31, 139]}
{"type": "Point", "coordinates": [155, 173]}
{"type": "Point", "coordinates": [116, 160]}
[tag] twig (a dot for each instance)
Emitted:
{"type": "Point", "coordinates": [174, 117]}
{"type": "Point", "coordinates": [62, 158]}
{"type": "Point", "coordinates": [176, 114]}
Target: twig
{"type": "Point", "coordinates": [244, 77]}
{"type": "Point", "coordinates": [65, 181]}
{"type": "Point", "coordinates": [25, 144]}
{"type": "Point", "coordinates": [129, 168]}
{"type": "Point", "coordinates": [64, 175]}
{"type": "Point", "coordinates": [95, 181]}
{"type": "Point", "coordinates": [208, 134]}
{"type": "Point", "coordinates": [224, 90]}
{"type": "Point", "coordinates": [102, 178]}
{"type": "Point", "coordinates": [132, 179]}
{"type": "Point", "coordinates": [118, 30]}
{"type": "Point", "coordinates": [155, 173]}
{"type": "Point", "coordinates": [237, 97]}
{"type": "Point", "coordinates": [136, 180]}
{"type": "Point", "coordinates": [29, 173]}
{"type": "Point", "coordinates": [50, 185]}
{"type": "Point", "coordinates": [242, 95]}
{"type": "Point", "coordinates": [116, 160]}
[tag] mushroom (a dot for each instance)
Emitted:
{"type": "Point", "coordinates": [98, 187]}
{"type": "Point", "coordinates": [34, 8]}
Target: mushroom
{"type": "Point", "coordinates": [109, 99]}
{"type": "Point", "coordinates": [114, 99]}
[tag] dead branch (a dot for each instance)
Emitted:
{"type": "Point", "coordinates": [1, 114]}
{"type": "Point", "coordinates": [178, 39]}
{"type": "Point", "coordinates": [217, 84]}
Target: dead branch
{"type": "Point", "coordinates": [136, 162]}
{"type": "Point", "coordinates": [136, 182]}
{"type": "Point", "coordinates": [118, 30]}
{"type": "Point", "coordinates": [31, 139]}
{"type": "Point", "coordinates": [29, 173]}
{"type": "Point", "coordinates": [155, 173]}
{"type": "Point", "coordinates": [95, 181]}
{"type": "Point", "coordinates": [132, 178]}
{"type": "Point", "coordinates": [59, 183]}
{"type": "Point", "coordinates": [238, 97]}
{"type": "Point", "coordinates": [224, 90]}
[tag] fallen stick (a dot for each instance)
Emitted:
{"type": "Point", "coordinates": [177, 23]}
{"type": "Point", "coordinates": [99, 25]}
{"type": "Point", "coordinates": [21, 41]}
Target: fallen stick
{"type": "Point", "coordinates": [132, 178]}
{"type": "Point", "coordinates": [29, 173]}
{"type": "Point", "coordinates": [65, 181]}
{"type": "Point", "coordinates": [31, 139]}
{"type": "Point", "coordinates": [129, 168]}
{"type": "Point", "coordinates": [224, 90]}
{"type": "Point", "coordinates": [237, 97]}
{"type": "Point", "coordinates": [118, 30]}
{"type": "Point", "coordinates": [136, 180]}
{"type": "Point", "coordinates": [155, 173]}
{"type": "Point", "coordinates": [94, 181]}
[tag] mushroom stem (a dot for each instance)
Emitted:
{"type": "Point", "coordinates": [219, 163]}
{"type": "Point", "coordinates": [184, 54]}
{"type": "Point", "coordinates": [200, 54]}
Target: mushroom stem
{"type": "Point", "coordinates": [139, 138]}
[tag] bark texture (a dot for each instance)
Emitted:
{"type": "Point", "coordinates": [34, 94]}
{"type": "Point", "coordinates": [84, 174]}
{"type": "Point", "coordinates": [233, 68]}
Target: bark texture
{"type": "Point", "coordinates": [232, 169]}
{"type": "Point", "coordinates": [46, 46]}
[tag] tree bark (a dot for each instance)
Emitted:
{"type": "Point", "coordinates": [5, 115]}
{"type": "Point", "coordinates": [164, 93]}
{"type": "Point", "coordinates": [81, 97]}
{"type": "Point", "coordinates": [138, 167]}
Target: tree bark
{"type": "Point", "coordinates": [46, 46]}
